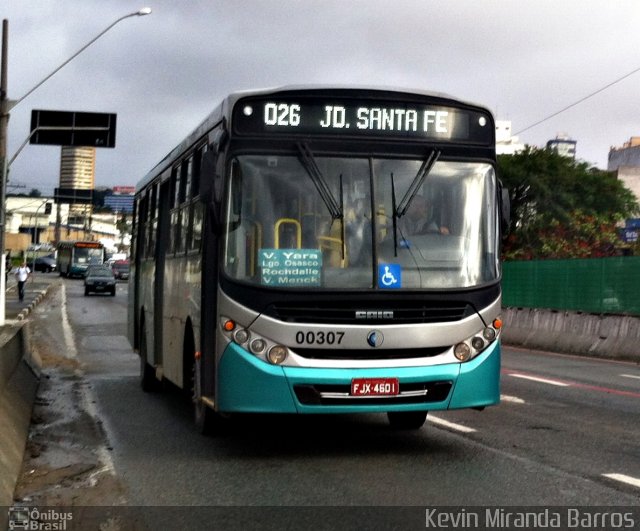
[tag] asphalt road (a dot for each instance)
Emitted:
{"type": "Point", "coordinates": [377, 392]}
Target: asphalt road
{"type": "Point", "coordinates": [565, 434]}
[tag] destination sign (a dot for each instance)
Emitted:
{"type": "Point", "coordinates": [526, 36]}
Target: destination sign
{"type": "Point", "coordinates": [355, 117]}
{"type": "Point", "coordinates": [290, 267]}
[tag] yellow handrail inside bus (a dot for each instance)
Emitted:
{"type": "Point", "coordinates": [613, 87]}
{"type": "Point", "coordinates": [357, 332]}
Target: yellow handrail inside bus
{"type": "Point", "coordinates": [333, 245]}
{"type": "Point", "coordinates": [255, 242]}
{"type": "Point", "coordinates": [288, 221]}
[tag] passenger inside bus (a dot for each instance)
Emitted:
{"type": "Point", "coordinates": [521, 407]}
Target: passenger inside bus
{"type": "Point", "coordinates": [419, 220]}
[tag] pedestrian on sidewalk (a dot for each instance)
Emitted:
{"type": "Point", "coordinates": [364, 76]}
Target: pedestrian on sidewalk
{"type": "Point", "coordinates": [22, 274]}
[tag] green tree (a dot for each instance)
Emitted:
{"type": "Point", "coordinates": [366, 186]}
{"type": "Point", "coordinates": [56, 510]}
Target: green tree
{"type": "Point", "coordinates": [561, 208]}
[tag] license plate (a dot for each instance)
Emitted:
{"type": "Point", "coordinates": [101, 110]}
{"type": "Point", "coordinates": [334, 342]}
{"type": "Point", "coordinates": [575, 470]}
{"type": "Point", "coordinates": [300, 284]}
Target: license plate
{"type": "Point", "coordinates": [374, 387]}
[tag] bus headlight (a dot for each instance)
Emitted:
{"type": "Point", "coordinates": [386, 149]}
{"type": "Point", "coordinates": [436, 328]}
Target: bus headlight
{"type": "Point", "coordinates": [261, 347]}
{"type": "Point", "coordinates": [462, 351]}
{"type": "Point", "coordinates": [258, 346]}
{"type": "Point", "coordinates": [277, 354]}
{"type": "Point", "coordinates": [241, 336]}
{"type": "Point", "coordinates": [489, 333]}
{"type": "Point", "coordinates": [471, 347]}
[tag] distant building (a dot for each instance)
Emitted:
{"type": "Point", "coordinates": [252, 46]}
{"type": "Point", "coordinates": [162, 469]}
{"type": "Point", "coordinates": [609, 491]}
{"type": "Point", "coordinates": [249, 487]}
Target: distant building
{"type": "Point", "coordinates": [121, 199]}
{"type": "Point", "coordinates": [77, 170]}
{"type": "Point", "coordinates": [564, 146]}
{"type": "Point", "coordinates": [625, 160]}
{"type": "Point", "coordinates": [505, 143]}
{"type": "Point", "coordinates": [627, 155]}
{"type": "Point", "coordinates": [130, 190]}
{"type": "Point", "coordinates": [119, 202]}
{"type": "Point", "coordinates": [29, 221]}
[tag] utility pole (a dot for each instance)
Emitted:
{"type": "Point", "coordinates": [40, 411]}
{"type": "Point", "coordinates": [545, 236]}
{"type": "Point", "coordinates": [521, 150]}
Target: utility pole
{"type": "Point", "coordinates": [4, 126]}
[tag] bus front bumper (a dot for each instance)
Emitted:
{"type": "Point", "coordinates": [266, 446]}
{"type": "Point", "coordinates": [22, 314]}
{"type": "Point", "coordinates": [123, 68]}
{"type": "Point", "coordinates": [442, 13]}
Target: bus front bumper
{"type": "Point", "coordinates": [249, 385]}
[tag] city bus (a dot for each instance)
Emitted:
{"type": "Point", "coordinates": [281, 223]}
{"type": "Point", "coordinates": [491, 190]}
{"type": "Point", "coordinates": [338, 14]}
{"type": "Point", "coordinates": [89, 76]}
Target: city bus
{"type": "Point", "coordinates": [74, 257]}
{"type": "Point", "coordinates": [273, 270]}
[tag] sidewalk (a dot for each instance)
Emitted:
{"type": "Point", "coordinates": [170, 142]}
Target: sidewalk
{"type": "Point", "coordinates": [35, 289]}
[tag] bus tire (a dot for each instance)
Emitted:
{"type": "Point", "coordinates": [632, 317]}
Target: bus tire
{"type": "Point", "coordinates": [148, 380]}
{"type": "Point", "coordinates": [206, 420]}
{"type": "Point", "coordinates": [407, 420]}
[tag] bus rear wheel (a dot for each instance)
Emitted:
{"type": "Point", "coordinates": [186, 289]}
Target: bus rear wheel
{"type": "Point", "coordinates": [148, 380]}
{"type": "Point", "coordinates": [407, 420]}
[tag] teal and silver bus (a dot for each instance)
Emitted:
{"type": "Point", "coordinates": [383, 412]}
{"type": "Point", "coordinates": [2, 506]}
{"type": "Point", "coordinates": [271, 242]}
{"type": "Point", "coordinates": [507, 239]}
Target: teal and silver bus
{"type": "Point", "coordinates": [74, 257]}
{"type": "Point", "coordinates": [323, 250]}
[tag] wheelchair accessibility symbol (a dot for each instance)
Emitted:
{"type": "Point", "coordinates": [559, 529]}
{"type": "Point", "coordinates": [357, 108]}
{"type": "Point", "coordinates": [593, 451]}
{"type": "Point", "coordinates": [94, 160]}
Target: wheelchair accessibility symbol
{"type": "Point", "coordinates": [389, 276]}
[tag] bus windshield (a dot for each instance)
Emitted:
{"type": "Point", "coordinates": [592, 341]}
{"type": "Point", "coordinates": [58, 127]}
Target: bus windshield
{"type": "Point", "coordinates": [84, 255]}
{"type": "Point", "coordinates": [361, 223]}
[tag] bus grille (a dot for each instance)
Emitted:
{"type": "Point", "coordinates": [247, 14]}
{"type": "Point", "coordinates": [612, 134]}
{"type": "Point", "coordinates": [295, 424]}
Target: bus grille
{"type": "Point", "coordinates": [339, 395]}
{"type": "Point", "coordinates": [331, 312]}
{"type": "Point", "coordinates": [369, 354]}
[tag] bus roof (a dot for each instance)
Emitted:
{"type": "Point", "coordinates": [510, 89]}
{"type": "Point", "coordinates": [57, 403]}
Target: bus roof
{"type": "Point", "coordinates": [223, 111]}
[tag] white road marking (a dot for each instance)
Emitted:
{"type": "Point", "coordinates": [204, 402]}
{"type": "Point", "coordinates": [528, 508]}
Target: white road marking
{"type": "Point", "coordinates": [512, 399]}
{"type": "Point", "coordinates": [86, 396]}
{"type": "Point", "coordinates": [540, 380]}
{"type": "Point", "coordinates": [630, 376]}
{"type": "Point", "coordinates": [451, 425]}
{"type": "Point", "coordinates": [67, 331]}
{"type": "Point", "coordinates": [624, 479]}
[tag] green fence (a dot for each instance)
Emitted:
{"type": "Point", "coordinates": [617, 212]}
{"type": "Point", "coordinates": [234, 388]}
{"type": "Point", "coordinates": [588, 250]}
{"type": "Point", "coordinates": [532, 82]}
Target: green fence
{"type": "Point", "coordinates": [598, 285]}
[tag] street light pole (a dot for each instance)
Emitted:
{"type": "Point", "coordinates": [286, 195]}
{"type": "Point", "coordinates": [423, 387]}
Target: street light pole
{"type": "Point", "coordinates": [5, 106]}
{"type": "Point", "coordinates": [139, 13]}
{"type": "Point", "coordinates": [4, 127]}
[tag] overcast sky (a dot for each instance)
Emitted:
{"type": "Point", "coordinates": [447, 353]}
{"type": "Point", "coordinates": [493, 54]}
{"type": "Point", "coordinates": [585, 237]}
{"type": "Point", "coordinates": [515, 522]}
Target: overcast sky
{"type": "Point", "coordinates": [163, 73]}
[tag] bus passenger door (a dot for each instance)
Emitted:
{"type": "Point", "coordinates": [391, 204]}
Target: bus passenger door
{"type": "Point", "coordinates": [162, 241]}
{"type": "Point", "coordinates": [210, 194]}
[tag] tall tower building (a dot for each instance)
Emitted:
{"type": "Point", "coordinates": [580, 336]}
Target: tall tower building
{"type": "Point", "coordinates": [77, 170]}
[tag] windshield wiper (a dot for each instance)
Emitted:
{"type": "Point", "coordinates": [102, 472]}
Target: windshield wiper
{"type": "Point", "coordinates": [401, 209]}
{"type": "Point", "coordinates": [415, 185]}
{"type": "Point", "coordinates": [336, 210]}
{"type": "Point", "coordinates": [309, 164]}
{"type": "Point", "coordinates": [394, 217]}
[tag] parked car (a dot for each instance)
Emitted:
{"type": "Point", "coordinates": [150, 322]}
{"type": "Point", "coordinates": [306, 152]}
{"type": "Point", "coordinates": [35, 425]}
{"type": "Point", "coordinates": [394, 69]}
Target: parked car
{"type": "Point", "coordinates": [46, 264]}
{"type": "Point", "coordinates": [99, 279]}
{"type": "Point", "coordinates": [120, 269]}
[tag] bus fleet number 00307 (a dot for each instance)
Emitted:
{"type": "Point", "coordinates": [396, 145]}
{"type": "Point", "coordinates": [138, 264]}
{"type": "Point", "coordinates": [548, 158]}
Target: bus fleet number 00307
{"type": "Point", "coordinates": [319, 338]}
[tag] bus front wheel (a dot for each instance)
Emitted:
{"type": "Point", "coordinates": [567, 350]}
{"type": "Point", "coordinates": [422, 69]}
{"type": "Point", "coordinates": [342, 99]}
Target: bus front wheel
{"type": "Point", "coordinates": [206, 420]}
{"type": "Point", "coordinates": [407, 420]}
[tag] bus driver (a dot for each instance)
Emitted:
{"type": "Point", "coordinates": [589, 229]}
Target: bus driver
{"type": "Point", "coordinates": [418, 219]}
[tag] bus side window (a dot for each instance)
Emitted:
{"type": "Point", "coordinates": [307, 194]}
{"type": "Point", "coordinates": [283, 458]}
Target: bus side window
{"type": "Point", "coordinates": [184, 228]}
{"type": "Point", "coordinates": [195, 173]}
{"type": "Point", "coordinates": [175, 186]}
{"type": "Point", "coordinates": [196, 226]}
{"type": "Point", "coordinates": [185, 180]}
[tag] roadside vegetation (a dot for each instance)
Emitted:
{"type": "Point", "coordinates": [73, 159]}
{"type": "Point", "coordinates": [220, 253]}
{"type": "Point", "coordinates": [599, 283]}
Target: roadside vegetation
{"type": "Point", "coordinates": [561, 208]}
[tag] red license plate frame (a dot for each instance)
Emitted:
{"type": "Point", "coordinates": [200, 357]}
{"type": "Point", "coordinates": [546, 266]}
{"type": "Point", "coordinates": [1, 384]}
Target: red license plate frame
{"type": "Point", "coordinates": [375, 387]}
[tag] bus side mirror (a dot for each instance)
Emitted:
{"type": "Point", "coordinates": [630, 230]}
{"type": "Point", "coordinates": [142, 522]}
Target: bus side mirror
{"type": "Point", "coordinates": [505, 209]}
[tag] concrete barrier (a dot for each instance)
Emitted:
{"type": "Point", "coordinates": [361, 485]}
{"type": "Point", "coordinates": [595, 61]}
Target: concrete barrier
{"type": "Point", "coordinates": [19, 377]}
{"type": "Point", "coordinates": [603, 336]}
